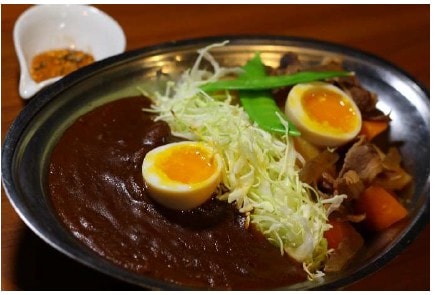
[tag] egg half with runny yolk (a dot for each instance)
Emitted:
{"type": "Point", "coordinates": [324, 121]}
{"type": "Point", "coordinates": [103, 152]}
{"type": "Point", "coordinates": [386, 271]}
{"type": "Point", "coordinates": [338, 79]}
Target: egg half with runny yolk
{"type": "Point", "coordinates": [324, 114]}
{"type": "Point", "coordinates": [182, 175]}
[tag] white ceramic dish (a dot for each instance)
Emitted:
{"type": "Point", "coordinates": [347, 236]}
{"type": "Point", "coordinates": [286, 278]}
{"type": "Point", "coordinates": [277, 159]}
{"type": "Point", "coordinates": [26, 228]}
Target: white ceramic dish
{"type": "Point", "coordinates": [48, 27]}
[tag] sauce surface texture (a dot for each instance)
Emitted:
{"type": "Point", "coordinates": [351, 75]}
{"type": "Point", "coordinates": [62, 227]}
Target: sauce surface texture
{"type": "Point", "coordinates": [97, 190]}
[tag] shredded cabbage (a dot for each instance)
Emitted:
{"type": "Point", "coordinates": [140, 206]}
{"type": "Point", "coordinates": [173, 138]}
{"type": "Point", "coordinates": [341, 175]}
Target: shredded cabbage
{"type": "Point", "coordinates": [260, 167]}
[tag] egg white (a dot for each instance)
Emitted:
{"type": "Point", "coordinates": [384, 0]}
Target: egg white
{"type": "Point", "coordinates": [174, 194]}
{"type": "Point", "coordinates": [309, 129]}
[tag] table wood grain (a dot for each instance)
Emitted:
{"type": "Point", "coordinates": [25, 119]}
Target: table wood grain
{"type": "Point", "coordinates": [397, 33]}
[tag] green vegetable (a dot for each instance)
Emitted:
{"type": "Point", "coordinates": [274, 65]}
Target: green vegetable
{"type": "Point", "coordinates": [270, 82]}
{"type": "Point", "coordinates": [259, 104]}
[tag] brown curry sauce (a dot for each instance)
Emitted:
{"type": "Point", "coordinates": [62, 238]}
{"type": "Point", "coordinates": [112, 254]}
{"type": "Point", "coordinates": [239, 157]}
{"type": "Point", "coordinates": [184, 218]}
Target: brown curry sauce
{"type": "Point", "coordinates": [97, 190]}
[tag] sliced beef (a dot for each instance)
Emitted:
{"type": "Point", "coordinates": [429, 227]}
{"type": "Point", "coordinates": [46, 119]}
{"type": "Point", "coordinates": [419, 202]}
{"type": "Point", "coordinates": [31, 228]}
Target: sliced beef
{"type": "Point", "coordinates": [393, 177]}
{"type": "Point", "coordinates": [349, 184]}
{"type": "Point", "coordinates": [289, 64]}
{"type": "Point", "coordinates": [364, 159]}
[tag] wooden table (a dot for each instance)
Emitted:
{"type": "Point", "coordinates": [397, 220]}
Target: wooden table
{"type": "Point", "coordinates": [397, 33]}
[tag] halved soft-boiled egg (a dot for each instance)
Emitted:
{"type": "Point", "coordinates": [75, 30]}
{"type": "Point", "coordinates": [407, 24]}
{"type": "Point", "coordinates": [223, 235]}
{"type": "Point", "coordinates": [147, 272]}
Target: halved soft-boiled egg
{"type": "Point", "coordinates": [324, 114]}
{"type": "Point", "coordinates": [182, 175]}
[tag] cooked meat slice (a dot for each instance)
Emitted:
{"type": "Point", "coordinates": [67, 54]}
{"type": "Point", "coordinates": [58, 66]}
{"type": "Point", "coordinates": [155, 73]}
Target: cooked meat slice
{"type": "Point", "coordinates": [289, 63]}
{"type": "Point", "coordinates": [326, 183]}
{"type": "Point", "coordinates": [349, 184]}
{"type": "Point", "coordinates": [327, 65]}
{"type": "Point", "coordinates": [364, 159]}
{"type": "Point", "coordinates": [364, 99]}
{"type": "Point", "coordinates": [393, 176]}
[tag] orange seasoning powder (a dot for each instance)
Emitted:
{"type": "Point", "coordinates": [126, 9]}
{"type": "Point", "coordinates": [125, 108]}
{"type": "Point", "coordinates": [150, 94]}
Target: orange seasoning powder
{"type": "Point", "coordinates": [58, 62]}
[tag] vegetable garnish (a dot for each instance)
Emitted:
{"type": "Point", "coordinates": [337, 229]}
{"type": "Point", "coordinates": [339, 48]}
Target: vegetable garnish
{"type": "Point", "coordinates": [260, 105]}
{"type": "Point", "coordinates": [270, 82]}
{"type": "Point", "coordinates": [260, 171]}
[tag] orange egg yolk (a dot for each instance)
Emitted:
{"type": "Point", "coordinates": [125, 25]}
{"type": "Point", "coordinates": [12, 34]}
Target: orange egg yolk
{"type": "Point", "coordinates": [330, 109]}
{"type": "Point", "coordinates": [186, 164]}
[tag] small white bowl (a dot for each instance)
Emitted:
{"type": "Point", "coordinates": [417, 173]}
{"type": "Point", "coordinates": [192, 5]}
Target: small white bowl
{"type": "Point", "coordinates": [46, 27]}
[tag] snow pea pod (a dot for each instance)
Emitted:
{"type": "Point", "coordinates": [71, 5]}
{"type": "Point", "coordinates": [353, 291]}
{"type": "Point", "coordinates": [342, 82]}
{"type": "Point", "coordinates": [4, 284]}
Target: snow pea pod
{"type": "Point", "coordinates": [262, 109]}
{"type": "Point", "coordinates": [259, 104]}
{"type": "Point", "coordinates": [270, 82]}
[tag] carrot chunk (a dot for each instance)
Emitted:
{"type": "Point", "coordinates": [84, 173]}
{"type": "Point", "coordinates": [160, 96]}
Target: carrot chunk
{"type": "Point", "coordinates": [345, 240]}
{"type": "Point", "coordinates": [339, 231]}
{"type": "Point", "coordinates": [371, 129]}
{"type": "Point", "coordinates": [382, 209]}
